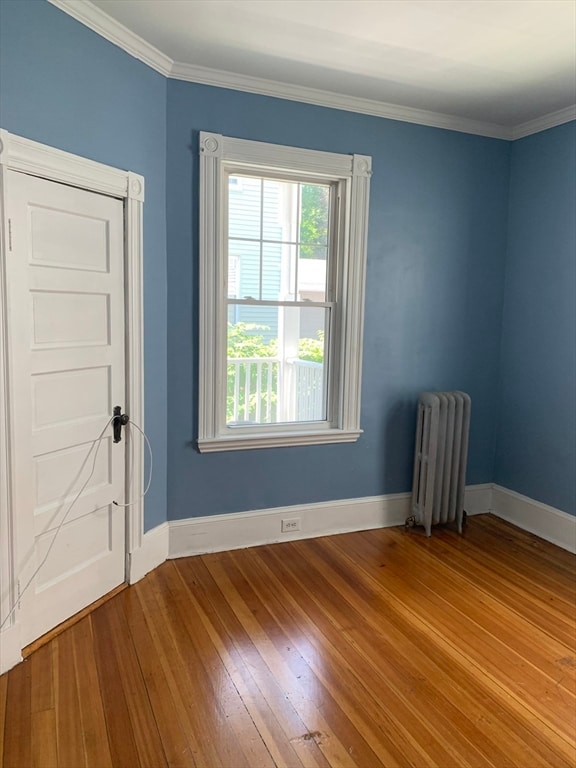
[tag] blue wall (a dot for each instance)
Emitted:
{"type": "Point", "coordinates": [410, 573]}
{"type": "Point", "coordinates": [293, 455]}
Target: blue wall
{"type": "Point", "coordinates": [435, 289]}
{"type": "Point", "coordinates": [437, 240]}
{"type": "Point", "coordinates": [536, 453]}
{"type": "Point", "coordinates": [63, 85]}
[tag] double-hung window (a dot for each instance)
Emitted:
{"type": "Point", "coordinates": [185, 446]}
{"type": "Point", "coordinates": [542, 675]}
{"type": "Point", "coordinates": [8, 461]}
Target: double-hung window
{"type": "Point", "coordinates": [282, 263]}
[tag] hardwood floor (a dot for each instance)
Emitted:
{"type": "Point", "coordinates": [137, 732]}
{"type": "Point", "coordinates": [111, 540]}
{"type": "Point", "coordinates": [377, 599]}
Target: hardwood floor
{"type": "Point", "coordinates": [380, 648]}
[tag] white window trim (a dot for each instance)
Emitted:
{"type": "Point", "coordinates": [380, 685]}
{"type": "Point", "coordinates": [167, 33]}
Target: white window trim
{"type": "Point", "coordinates": [26, 156]}
{"type": "Point", "coordinates": [355, 171]}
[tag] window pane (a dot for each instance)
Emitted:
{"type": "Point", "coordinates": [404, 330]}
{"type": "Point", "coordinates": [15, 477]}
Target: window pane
{"type": "Point", "coordinates": [278, 271]}
{"type": "Point", "coordinates": [244, 207]}
{"type": "Point", "coordinates": [311, 278]}
{"type": "Point", "coordinates": [277, 358]}
{"type": "Point", "coordinates": [243, 269]}
{"type": "Point", "coordinates": [280, 217]}
{"type": "Point", "coordinates": [278, 239]}
{"type": "Point", "coordinates": [313, 252]}
{"type": "Point", "coordinates": [314, 210]}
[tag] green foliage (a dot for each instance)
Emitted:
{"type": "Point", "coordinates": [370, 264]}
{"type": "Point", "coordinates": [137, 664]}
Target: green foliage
{"type": "Point", "coordinates": [245, 341]}
{"type": "Point", "coordinates": [312, 349]}
{"type": "Point", "coordinates": [314, 220]}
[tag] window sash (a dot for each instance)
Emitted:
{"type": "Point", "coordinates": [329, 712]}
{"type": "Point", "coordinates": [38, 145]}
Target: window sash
{"type": "Point", "coordinates": [328, 385]}
{"type": "Point", "coordinates": [249, 301]}
{"type": "Point", "coordinates": [337, 190]}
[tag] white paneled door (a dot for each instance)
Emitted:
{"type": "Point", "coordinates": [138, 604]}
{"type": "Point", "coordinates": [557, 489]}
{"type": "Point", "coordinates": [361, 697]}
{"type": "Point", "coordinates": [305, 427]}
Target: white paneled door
{"type": "Point", "coordinates": [66, 315]}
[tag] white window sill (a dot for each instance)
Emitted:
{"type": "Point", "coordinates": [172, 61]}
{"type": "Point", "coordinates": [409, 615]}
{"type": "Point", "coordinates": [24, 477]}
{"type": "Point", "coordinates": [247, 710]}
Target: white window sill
{"type": "Point", "coordinates": [277, 440]}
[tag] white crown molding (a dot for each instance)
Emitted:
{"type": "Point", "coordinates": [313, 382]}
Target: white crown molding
{"type": "Point", "coordinates": [543, 123]}
{"type": "Point", "coordinates": [115, 32]}
{"type": "Point", "coordinates": [105, 26]}
{"type": "Point", "coordinates": [220, 79]}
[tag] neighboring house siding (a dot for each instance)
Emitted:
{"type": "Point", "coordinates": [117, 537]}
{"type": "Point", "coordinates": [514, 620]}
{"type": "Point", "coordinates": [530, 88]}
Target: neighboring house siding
{"type": "Point", "coordinates": [244, 222]}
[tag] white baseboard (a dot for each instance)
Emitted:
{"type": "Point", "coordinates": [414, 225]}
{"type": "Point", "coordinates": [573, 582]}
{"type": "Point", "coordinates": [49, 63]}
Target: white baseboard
{"type": "Point", "coordinates": [547, 522]}
{"type": "Point", "coordinates": [478, 499]}
{"type": "Point", "coordinates": [218, 533]}
{"type": "Point", "coordinates": [10, 648]}
{"type": "Point", "coordinates": [150, 555]}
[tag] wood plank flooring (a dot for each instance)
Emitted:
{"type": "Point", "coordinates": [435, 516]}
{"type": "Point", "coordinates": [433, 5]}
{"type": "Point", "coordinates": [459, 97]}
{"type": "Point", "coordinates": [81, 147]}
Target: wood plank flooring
{"type": "Point", "coordinates": [380, 648]}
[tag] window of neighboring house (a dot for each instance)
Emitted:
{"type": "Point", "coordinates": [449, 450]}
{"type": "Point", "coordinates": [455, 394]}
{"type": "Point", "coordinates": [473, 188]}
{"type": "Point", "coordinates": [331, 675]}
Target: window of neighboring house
{"type": "Point", "coordinates": [282, 262]}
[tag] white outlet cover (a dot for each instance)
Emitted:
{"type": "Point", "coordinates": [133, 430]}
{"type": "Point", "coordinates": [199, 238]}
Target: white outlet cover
{"type": "Point", "coordinates": [290, 524]}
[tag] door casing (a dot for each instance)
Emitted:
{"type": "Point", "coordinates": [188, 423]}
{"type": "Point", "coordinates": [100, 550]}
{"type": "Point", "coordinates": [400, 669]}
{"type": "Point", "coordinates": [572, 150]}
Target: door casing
{"type": "Point", "coordinates": [35, 159]}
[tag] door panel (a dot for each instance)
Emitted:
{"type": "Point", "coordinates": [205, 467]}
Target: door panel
{"type": "Point", "coordinates": [66, 308]}
{"type": "Point", "coordinates": [93, 530]}
{"type": "Point", "coordinates": [60, 397]}
{"type": "Point", "coordinates": [69, 319]}
{"type": "Point", "coordinates": [64, 239]}
{"type": "Point", "coordinates": [50, 467]}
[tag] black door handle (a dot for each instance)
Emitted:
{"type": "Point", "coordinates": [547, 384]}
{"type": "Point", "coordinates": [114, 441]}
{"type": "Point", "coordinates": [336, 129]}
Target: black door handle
{"type": "Point", "coordinates": [119, 420]}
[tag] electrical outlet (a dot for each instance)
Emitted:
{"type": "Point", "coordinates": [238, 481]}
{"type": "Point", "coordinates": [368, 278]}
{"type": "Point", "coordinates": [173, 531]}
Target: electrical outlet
{"type": "Point", "coordinates": [291, 524]}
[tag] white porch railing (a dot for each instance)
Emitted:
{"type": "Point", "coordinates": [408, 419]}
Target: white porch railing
{"type": "Point", "coordinates": [267, 390]}
{"type": "Point", "coordinates": [305, 390]}
{"type": "Point", "coordinates": [252, 394]}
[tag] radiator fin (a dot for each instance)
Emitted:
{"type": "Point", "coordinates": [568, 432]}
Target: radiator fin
{"type": "Point", "coordinates": [440, 458]}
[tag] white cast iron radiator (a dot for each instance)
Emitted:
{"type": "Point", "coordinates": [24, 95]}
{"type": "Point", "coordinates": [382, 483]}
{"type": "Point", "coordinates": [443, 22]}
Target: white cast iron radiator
{"type": "Point", "coordinates": [440, 459]}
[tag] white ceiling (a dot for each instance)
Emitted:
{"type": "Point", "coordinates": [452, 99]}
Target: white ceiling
{"type": "Point", "coordinates": [503, 62]}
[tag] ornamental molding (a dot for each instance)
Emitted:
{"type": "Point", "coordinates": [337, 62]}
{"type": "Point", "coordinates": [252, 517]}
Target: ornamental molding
{"type": "Point", "coordinates": [211, 144]}
{"type": "Point", "coordinates": [135, 187]}
{"type": "Point", "coordinates": [115, 32]}
{"type": "Point", "coordinates": [543, 123]}
{"type": "Point", "coordinates": [362, 165]}
{"type": "Point", "coordinates": [20, 154]}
